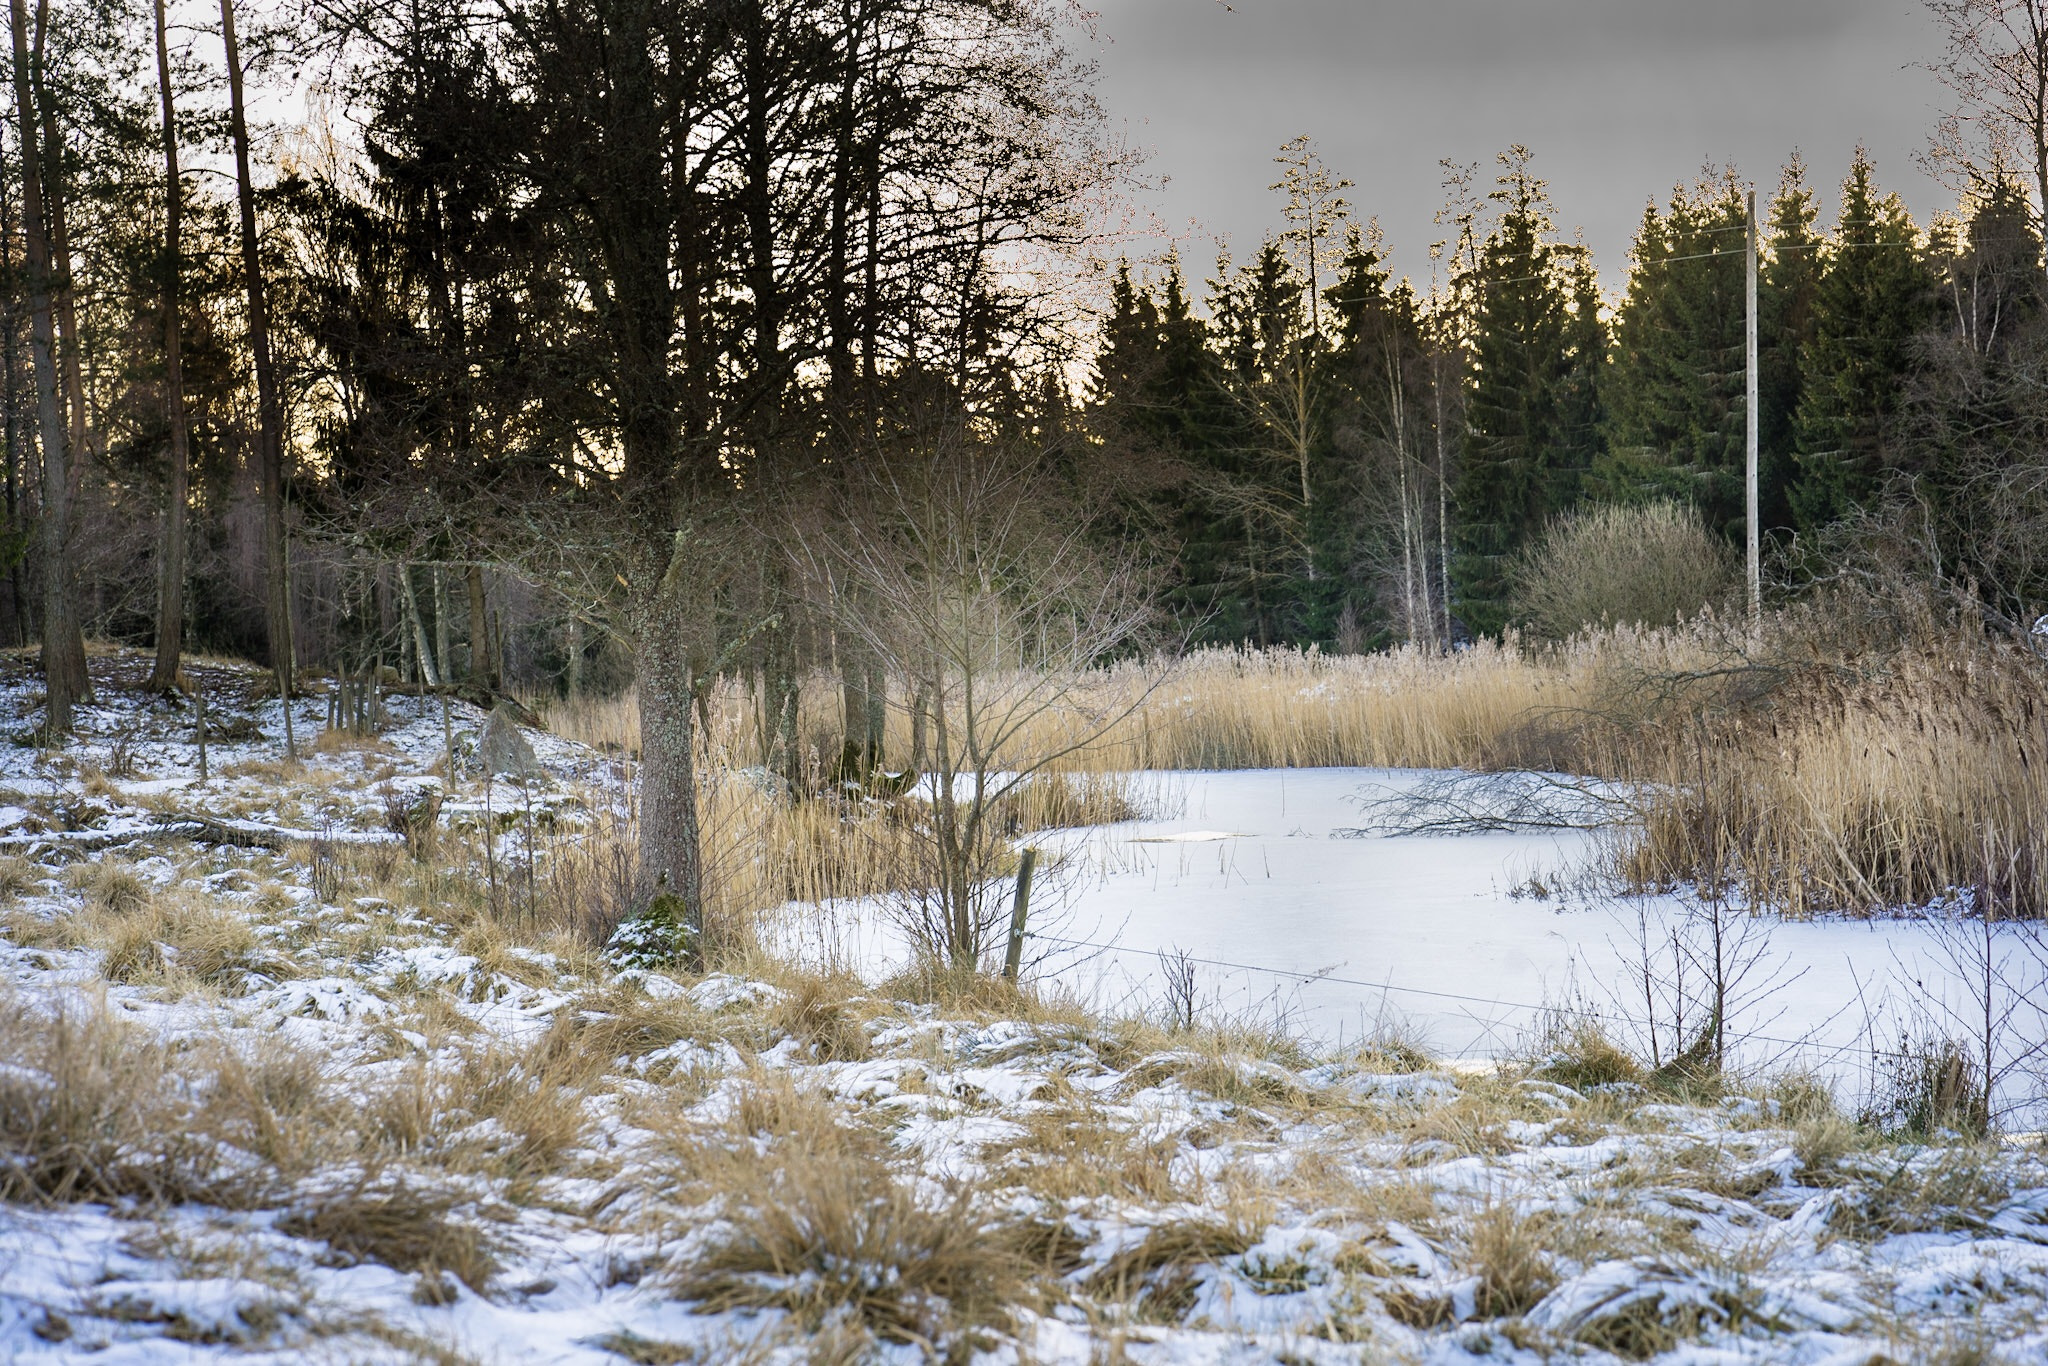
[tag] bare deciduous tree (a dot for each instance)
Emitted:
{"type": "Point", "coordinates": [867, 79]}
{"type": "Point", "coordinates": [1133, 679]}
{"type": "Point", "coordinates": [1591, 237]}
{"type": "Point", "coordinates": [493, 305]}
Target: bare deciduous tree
{"type": "Point", "coordinates": [976, 577]}
{"type": "Point", "coordinates": [1996, 63]}
{"type": "Point", "coordinates": [64, 673]}
{"type": "Point", "coordinates": [269, 403]}
{"type": "Point", "coordinates": [170, 595]}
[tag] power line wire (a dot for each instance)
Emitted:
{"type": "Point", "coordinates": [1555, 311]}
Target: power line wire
{"type": "Point", "coordinates": [1388, 986]}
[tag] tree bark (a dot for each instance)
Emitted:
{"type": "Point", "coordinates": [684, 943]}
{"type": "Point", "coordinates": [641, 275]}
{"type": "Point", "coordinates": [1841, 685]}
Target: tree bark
{"type": "Point", "coordinates": [442, 653]}
{"type": "Point", "coordinates": [70, 367]}
{"type": "Point", "coordinates": [170, 581]}
{"type": "Point", "coordinates": [479, 630]}
{"type": "Point", "coordinates": [671, 856]}
{"type": "Point", "coordinates": [269, 406]}
{"type": "Point", "coordinates": [10, 380]}
{"type": "Point", "coordinates": [855, 761]}
{"type": "Point", "coordinates": [64, 675]}
{"type": "Point", "coordinates": [416, 628]}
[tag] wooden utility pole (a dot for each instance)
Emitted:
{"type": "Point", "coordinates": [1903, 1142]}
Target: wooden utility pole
{"type": "Point", "coordinates": [1756, 572]}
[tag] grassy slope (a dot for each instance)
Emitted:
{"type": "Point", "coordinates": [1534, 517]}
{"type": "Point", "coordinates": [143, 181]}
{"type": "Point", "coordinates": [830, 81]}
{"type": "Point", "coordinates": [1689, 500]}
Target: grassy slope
{"type": "Point", "coordinates": [337, 1103]}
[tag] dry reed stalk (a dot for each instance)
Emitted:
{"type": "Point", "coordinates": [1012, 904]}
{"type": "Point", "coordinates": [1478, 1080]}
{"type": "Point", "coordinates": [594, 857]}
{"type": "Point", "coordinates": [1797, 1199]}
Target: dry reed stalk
{"type": "Point", "coordinates": [1916, 785]}
{"type": "Point", "coordinates": [1842, 758]}
{"type": "Point", "coordinates": [1228, 709]}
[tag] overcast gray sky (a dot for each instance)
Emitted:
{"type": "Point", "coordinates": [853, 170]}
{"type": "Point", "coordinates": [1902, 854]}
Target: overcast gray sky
{"type": "Point", "coordinates": [1618, 99]}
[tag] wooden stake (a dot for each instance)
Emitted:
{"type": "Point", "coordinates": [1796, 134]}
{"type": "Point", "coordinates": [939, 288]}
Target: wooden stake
{"type": "Point", "coordinates": [1020, 908]}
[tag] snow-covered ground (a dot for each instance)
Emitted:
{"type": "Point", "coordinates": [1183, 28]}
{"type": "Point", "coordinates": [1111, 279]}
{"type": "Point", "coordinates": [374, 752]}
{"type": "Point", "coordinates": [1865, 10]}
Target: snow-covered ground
{"type": "Point", "coordinates": [781, 1168]}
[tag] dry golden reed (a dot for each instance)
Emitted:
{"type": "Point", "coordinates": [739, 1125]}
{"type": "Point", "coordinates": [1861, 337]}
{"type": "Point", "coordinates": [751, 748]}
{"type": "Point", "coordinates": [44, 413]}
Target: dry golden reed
{"type": "Point", "coordinates": [1236, 709]}
{"type": "Point", "coordinates": [1839, 757]}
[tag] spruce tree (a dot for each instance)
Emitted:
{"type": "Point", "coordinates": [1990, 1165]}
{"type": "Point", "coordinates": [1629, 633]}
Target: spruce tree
{"type": "Point", "coordinates": [1266, 447]}
{"type": "Point", "coordinates": [1875, 296]}
{"type": "Point", "coordinates": [1789, 284]}
{"type": "Point", "coordinates": [1974, 427]}
{"type": "Point", "coordinates": [1677, 392]}
{"type": "Point", "coordinates": [1376, 530]}
{"type": "Point", "coordinates": [1536, 345]}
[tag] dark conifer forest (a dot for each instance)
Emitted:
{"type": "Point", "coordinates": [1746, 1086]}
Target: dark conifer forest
{"type": "Point", "coordinates": [433, 372]}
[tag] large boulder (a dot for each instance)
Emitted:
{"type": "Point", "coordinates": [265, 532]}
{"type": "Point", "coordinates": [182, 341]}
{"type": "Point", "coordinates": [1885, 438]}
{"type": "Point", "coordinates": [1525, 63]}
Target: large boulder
{"type": "Point", "coordinates": [503, 748]}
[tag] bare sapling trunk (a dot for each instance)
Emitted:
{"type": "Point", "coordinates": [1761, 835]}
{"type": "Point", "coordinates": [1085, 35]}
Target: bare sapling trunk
{"type": "Point", "coordinates": [170, 582]}
{"type": "Point", "coordinates": [64, 675]}
{"type": "Point", "coordinates": [269, 405]}
{"type": "Point", "coordinates": [853, 711]}
{"type": "Point", "coordinates": [423, 650]}
{"type": "Point", "coordinates": [671, 878]}
{"type": "Point", "coordinates": [965, 571]}
{"type": "Point", "coordinates": [479, 630]}
{"type": "Point", "coordinates": [443, 656]}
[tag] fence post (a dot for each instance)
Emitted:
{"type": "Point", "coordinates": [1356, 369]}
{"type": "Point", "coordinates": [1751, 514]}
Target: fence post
{"type": "Point", "coordinates": [1019, 909]}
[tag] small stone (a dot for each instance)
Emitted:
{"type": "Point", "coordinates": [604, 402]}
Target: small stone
{"type": "Point", "coordinates": [503, 747]}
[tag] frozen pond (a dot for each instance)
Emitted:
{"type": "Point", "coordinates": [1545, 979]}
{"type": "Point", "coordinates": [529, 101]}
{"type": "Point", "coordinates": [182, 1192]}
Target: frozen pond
{"type": "Point", "coordinates": [1344, 935]}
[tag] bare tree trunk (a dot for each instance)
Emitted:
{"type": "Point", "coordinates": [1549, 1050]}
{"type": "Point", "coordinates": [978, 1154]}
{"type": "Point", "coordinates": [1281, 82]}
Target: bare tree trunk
{"type": "Point", "coordinates": [1409, 538]}
{"type": "Point", "coordinates": [671, 858]}
{"type": "Point", "coordinates": [10, 381]}
{"type": "Point", "coordinates": [573, 684]}
{"type": "Point", "coordinates": [878, 712]}
{"type": "Point", "coordinates": [920, 720]}
{"type": "Point", "coordinates": [423, 651]}
{"type": "Point", "coordinates": [70, 367]}
{"type": "Point", "coordinates": [170, 579]}
{"type": "Point", "coordinates": [479, 630]}
{"type": "Point", "coordinates": [64, 673]}
{"type": "Point", "coordinates": [1443, 511]}
{"type": "Point", "coordinates": [442, 654]}
{"type": "Point", "coordinates": [269, 407]}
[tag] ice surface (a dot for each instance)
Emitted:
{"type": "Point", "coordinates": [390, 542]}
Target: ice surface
{"type": "Point", "coordinates": [1342, 936]}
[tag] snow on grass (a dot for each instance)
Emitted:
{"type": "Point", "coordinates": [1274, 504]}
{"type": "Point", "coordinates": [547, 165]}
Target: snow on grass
{"type": "Point", "coordinates": [280, 1105]}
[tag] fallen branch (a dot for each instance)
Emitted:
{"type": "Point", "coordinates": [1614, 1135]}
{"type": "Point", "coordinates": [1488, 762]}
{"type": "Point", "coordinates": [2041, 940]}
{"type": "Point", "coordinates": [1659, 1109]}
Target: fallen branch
{"type": "Point", "coordinates": [1486, 803]}
{"type": "Point", "coordinates": [255, 835]}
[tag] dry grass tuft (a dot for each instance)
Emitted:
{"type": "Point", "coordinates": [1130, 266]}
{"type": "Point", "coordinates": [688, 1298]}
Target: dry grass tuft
{"type": "Point", "coordinates": [501, 1111]}
{"type": "Point", "coordinates": [820, 1014]}
{"type": "Point", "coordinates": [1160, 1275]}
{"type": "Point", "coordinates": [110, 885]}
{"type": "Point", "coordinates": [93, 1109]}
{"type": "Point", "coordinates": [400, 1221]}
{"type": "Point", "coordinates": [1579, 1054]}
{"type": "Point", "coordinates": [1942, 1190]}
{"type": "Point", "coordinates": [17, 877]}
{"type": "Point", "coordinates": [1079, 1152]}
{"type": "Point", "coordinates": [1508, 1249]}
{"type": "Point", "coordinates": [177, 939]}
{"type": "Point", "coordinates": [817, 1224]}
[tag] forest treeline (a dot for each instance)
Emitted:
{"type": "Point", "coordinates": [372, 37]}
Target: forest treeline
{"type": "Point", "coordinates": [675, 336]}
{"type": "Point", "coordinates": [495, 281]}
{"type": "Point", "coordinates": [1366, 460]}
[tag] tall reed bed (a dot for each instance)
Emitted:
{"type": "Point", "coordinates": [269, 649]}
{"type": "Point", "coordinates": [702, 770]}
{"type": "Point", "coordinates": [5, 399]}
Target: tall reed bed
{"type": "Point", "coordinates": [1915, 779]}
{"type": "Point", "coordinates": [1859, 755]}
{"type": "Point", "coordinates": [1235, 709]}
